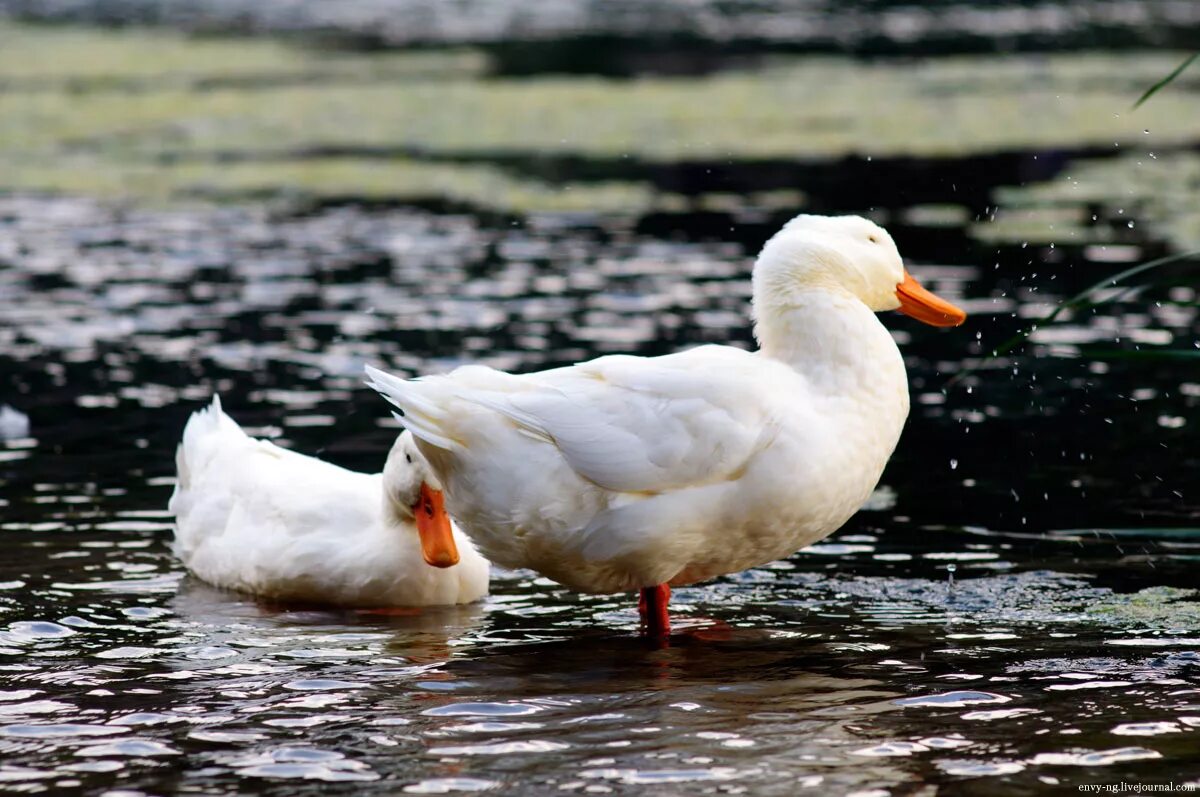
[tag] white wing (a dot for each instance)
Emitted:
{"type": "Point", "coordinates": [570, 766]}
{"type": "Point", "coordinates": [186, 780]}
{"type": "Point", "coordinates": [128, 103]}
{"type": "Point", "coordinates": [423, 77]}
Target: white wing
{"type": "Point", "coordinates": [628, 424]}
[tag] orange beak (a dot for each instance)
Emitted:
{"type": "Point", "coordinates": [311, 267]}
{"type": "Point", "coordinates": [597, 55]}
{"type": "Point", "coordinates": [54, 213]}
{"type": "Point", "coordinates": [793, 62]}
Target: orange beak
{"type": "Point", "coordinates": [924, 306]}
{"type": "Point", "coordinates": [433, 526]}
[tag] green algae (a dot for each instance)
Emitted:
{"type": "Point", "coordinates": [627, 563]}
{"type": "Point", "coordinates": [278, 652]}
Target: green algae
{"type": "Point", "coordinates": [1158, 607]}
{"type": "Point", "coordinates": [152, 114]}
{"type": "Point", "coordinates": [1155, 186]}
{"type": "Point", "coordinates": [397, 179]}
{"type": "Point", "coordinates": [78, 57]}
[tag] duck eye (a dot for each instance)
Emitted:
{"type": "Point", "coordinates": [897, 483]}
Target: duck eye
{"type": "Point", "coordinates": [872, 239]}
{"type": "Point", "coordinates": [408, 458]}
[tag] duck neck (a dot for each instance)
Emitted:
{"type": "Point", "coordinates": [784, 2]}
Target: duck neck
{"type": "Point", "coordinates": [841, 349]}
{"type": "Point", "coordinates": [397, 525]}
{"type": "Point", "coordinates": [395, 521]}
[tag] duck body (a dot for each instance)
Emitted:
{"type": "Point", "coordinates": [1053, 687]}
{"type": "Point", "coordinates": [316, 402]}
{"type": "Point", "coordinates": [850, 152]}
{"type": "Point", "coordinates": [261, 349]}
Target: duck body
{"type": "Point", "coordinates": [711, 471]}
{"type": "Point", "coordinates": [254, 517]}
{"type": "Point", "coordinates": [625, 472]}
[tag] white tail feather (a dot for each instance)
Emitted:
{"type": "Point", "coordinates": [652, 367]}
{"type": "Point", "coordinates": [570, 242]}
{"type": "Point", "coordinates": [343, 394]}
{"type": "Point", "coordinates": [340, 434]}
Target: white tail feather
{"type": "Point", "coordinates": [424, 418]}
{"type": "Point", "coordinates": [403, 393]}
{"type": "Point", "coordinates": [202, 428]}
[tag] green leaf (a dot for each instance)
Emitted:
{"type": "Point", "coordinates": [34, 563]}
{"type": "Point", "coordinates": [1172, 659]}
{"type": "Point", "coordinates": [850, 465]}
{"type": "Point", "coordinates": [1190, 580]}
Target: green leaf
{"type": "Point", "coordinates": [1150, 92]}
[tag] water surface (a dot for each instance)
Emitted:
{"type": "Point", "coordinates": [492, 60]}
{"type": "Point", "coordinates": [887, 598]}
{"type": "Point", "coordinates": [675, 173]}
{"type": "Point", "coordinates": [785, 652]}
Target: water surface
{"type": "Point", "coordinates": [1015, 609]}
{"type": "Point", "coordinates": [1012, 610]}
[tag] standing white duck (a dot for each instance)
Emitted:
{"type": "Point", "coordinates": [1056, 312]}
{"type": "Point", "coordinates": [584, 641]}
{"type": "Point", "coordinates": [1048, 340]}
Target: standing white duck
{"type": "Point", "coordinates": [255, 517]}
{"type": "Point", "coordinates": [627, 473]}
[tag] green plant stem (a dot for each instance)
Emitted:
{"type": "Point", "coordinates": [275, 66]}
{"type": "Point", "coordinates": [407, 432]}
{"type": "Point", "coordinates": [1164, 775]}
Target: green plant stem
{"type": "Point", "coordinates": [1078, 300]}
{"type": "Point", "coordinates": [1150, 92]}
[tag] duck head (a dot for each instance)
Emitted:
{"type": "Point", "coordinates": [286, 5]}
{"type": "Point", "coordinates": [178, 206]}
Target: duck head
{"type": "Point", "coordinates": [844, 255]}
{"type": "Point", "coordinates": [414, 495]}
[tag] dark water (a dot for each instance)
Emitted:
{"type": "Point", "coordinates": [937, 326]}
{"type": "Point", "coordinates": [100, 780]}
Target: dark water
{"type": "Point", "coordinates": [1011, 613]}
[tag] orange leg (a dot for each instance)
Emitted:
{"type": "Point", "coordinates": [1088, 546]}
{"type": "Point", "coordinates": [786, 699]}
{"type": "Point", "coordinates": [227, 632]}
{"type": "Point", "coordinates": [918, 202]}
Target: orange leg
{"type": "Point", "coordinates": [652, 606]}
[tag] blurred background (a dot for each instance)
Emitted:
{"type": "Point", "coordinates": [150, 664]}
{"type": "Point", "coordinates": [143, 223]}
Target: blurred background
{"type": "Point", "coordinates": [257, 198]}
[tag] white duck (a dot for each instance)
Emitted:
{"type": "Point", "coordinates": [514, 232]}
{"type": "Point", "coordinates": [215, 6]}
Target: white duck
{"type": "Point", "coordinates": [255, 517]}
{"type": "Point", "coordinates": [627, 473]}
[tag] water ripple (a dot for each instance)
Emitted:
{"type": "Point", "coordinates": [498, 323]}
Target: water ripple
{"type": "Point", "coordinates": [483, 710]}
{"type": "Point", "coordinates": [450, 785]}
{"type": "Point", "coordinates": [953, 699]}
{"type": "Point", "coordinates": [501, 748]}
{"type": "Point", "coordinates": [1096, 758]}
{"type": "Point", "coordinates": [64, 730]}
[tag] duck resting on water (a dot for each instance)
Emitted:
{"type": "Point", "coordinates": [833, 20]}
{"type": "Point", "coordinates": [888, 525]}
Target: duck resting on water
{"type": "Point", "coordinates": [642, 473]}
{"type": "Point", "coordinates": [254, 517]}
